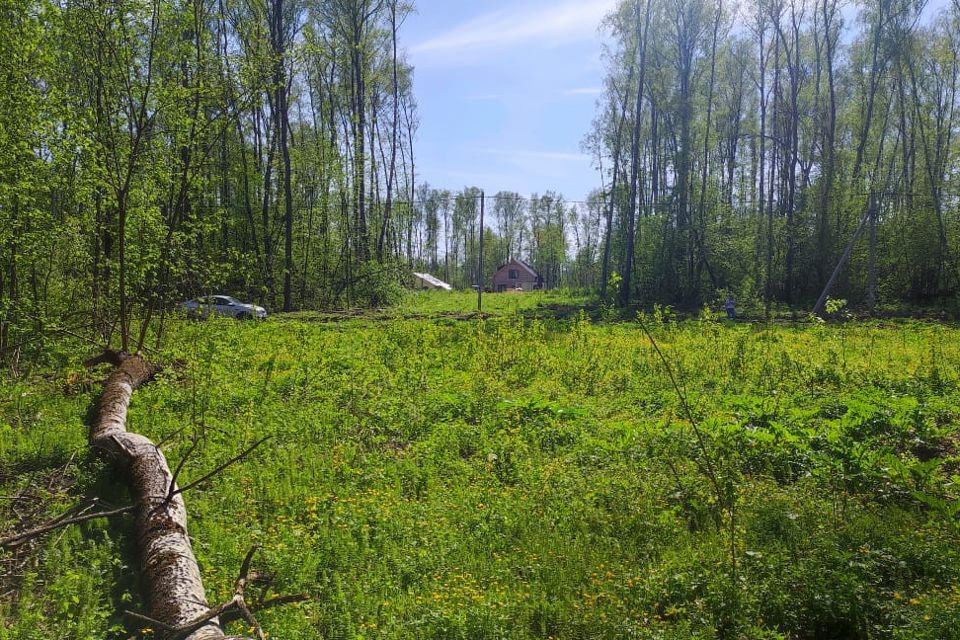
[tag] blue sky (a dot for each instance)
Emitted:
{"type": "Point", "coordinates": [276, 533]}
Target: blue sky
{"type": "Point", "coordinates": [506, 91]}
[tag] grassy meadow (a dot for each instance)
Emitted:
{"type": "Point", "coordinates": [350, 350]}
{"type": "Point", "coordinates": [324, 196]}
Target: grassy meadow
{"type": "Point", "coordinates": [531, 474]}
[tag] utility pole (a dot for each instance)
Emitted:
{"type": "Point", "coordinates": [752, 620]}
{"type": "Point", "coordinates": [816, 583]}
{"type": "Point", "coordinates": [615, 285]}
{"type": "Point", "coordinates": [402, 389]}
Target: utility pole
{"type": "Point", "coordinates": [483, 198]}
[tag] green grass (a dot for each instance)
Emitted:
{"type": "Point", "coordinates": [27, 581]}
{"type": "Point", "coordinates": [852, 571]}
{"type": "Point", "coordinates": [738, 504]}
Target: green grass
{"type": "Point", "coordinates": [420, 305]}
{"type": "Point", "coordinates": [434, 477]}
{"type": "Point", "coordinates": [493, 303]}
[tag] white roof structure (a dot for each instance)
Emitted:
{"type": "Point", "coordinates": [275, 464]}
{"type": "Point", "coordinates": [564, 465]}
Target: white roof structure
{"type": "Point", "coordinates": [429, 280]}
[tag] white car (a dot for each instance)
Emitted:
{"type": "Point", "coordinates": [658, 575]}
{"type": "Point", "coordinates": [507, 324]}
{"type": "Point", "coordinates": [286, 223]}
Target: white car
{"type": "Point", "coordinates": [222, 306]}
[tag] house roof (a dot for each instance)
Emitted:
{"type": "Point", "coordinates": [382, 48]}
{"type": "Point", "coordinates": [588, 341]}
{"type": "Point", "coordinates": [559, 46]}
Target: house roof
{"type": "Point", "coordinates": [522, 264]}
{"type": "Point", "coordinates": [433, 282]}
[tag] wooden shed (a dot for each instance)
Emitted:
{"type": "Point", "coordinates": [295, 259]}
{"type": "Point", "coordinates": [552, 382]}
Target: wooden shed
{"type": "Point", "coordinates": [515, 275]}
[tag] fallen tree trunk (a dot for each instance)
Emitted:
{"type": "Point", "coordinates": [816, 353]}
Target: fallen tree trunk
{"type": "Point", "coordinates": [170, 574]}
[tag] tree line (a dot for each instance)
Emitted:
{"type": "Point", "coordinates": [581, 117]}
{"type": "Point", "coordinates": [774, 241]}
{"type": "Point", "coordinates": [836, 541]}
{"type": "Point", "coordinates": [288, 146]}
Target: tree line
{"type": "Point", "coordinates": [775, 151]}
{"type": "Point", "coordinates": [559, 238]}
{"type": "Point", "coordinates": [742, 149]}
{"type": "Point", "coordinates": [154, 150]}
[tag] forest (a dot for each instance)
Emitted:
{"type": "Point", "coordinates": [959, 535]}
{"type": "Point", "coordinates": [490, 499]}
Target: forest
{"type": "Point", "coordinates": [748, 152]}
{"type": "Point", "coordinates": [155, 150]}
{"type": "Point", "coordinates": [159, 150]}
{"type": "Point", "coordinates": [603, 458]}
{"type": "Point", "coordinates": [750, 149]}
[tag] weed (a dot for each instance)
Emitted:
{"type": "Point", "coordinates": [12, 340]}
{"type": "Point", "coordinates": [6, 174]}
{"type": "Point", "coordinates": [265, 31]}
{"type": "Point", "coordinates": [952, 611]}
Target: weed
{"type": "Point", "coordinates": [528, 475]}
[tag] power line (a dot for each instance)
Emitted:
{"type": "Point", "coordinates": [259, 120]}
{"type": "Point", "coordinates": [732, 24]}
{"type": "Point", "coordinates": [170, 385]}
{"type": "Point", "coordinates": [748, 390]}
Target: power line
{"type": "Point", "coordinates": [603, 198]}
{"type": "Point", "coordinates": [514, 198]}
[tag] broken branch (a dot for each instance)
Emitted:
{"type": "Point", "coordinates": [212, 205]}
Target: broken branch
{"type": "Point", "coordinates": [18, 539]}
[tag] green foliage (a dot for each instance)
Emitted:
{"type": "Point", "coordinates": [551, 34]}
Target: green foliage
{"type": "Point", "coordinates": [524, 476]}
{"type": "Point", "coordinates": [756, 136]}
{"type": "Point", "coordinates": [377, 285]}
{"type": "Point", "coordinates": [835, 306]}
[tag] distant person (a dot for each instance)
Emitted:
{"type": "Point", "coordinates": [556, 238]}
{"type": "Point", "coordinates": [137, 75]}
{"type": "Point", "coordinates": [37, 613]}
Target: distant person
{"type": "Point", "coordinates": [731, 306]}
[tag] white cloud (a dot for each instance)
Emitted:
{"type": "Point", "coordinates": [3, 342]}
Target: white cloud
{"type": "Point", "coordinates": [524, 156]}
{"type": "Point", "coordinates": [584, 91]}
{"type": "Point", "coordinates": [487, 97]}
{"type": "Point", "coordinates": [536, 170]}
{"type": "Point", "coordinates": [522, 170]}
{"type": "Point", "coordinates": [487, 179]}
{"type": "Point", "coordinates": [549, 25]}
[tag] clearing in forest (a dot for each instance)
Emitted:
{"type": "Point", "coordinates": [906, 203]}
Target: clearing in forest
{"type": "Point", "coordinates": [432, 476]}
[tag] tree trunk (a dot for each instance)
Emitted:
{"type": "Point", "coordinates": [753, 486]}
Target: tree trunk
{"type": "Point", "coordinates": [761, 32]}
{"type": "Point", "coordinates": [704, 170]}
{"type": "Point", "coordinates": [360, 130]}
{"type": "Point", "coordinates": [287, 202]}
{"type": "Point", "coordinates": [605, 274]}
{"type": "Point", "coordinates": [170, 574]}
{"type": "Point", "coordinates": [283, 128]}
{"type": "Point", "coordinates": [829, 137]}
{"type": "Point", "coordinates": [871, 99]}
{"type": "Point", "coordinates": [265, 218]}
{"type": "Point", "coordinates": [626, 283]}
{"type": "Point", "coordinates": [392, 171]}
{"type": "Point", "coordinates": [772, 182]}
